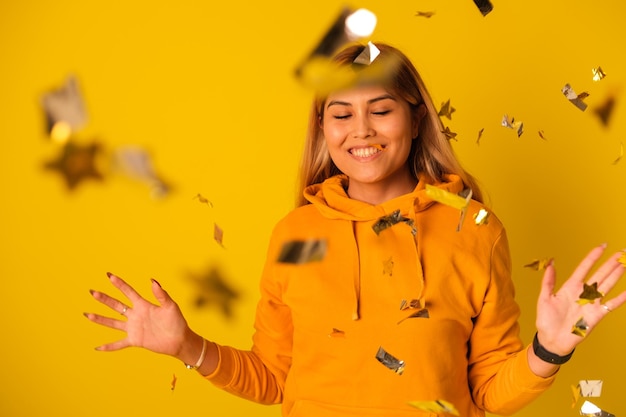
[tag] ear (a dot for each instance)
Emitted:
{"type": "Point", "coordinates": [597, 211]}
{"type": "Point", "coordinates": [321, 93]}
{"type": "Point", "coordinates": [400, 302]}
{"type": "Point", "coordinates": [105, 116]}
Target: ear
{"type": "Point", "coordinates": [418, 116]}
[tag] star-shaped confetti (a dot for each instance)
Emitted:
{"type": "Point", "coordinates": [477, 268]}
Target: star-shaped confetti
{"type": "Point", "coordinates": [213, 290]}
{"type": "Point", "coordinates": [77, 163]}
{"type": "Point", "coordinates": [446, 110]}
{"type": "Point", "coordinates": [449, 134]}
{"type": "Point", "coordinates": [589, 293]}
{"type": "Point", "coordinates": [392, 219]}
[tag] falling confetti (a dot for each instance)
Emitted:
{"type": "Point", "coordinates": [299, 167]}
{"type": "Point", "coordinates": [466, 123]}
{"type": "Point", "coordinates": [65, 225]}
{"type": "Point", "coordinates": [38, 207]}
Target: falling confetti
{"type": "Point", "coordinates": [622, 259]}
{"type": "Point", "coordinates": [218, 234]}
{"type": "Point", "coordinates": [337, 333]}
{"type": "Point", "coordinates": [368, 55]}
{"type": "Point", "coordinates": [538, 264]}
{"type": "Point", "coordinates": [427, 15]}
{"type": "Point", "coordinates": [484, 6]}
{"type": "Point", "coordinates": [542, 135]}
{"type": "Point", "coordinates": [135, 162]}
{"type": "Point", "coordinates": [621, 153]}
{"type": "Point", "coordinates": [575, 99]}
{"type": "Point", "coordinates": [413, 304]}
{"type": "Point", "coordinates": [449, 134]}
{"type": "Point", "coordinates": [392, 219]}
{"type": "Point", "coordinates": [605, 110]}
{"type": "Point", "coordinates": [446, 110]}
{"type": "Point", "coordinates": [482, 217]}
{"type": "Point", "coordinates": [436, 406]}
{"type": "Point", "coordinates": [64, 109]}
{"type": "Point", "coordinates": [598, 74]}
{"type": "Point", "coordinates": [390, 361]}
{"type": "Point", "coordinates": [420, 314]}
{"type": "Point", "coordinates": [173, 383]}
{"type": "Point", "coordinates": [214, 290]}
{"type": "Point", "coordinates": [203, 200]}
{"type": "Point", "coordinates": [575, 395]}
{"type": "Point", "coordinates": [589, 294]}
{"type": "Point", "coordinates": [77, 163]}
{"type": "Point", "coordinates": [302, 251]}
{"type": "Point", "coordinates": [388, 267]}
{"type": "Point", "coordinates": [458, 201]}
{"type": "Point", "coordinates": [590, 387]}
{"type": "Point", "coordinates": [512, 124]}
{"type": "Point", "coordinates": [580, 328]}
{"type": "Point", "coordinates": [589, 409]}
{"type": "Point", "coordinates": [480, 135]}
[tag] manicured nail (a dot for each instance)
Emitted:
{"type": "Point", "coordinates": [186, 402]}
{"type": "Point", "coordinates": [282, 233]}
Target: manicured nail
{"type": "Point", "coordinates": [109, 274]}
{"type": "Point", "coordinates": [98, 348]}
{"type": "Point", "coordinates": [86, 315]}
{"type": "Point", "coordinates": [156, 282]}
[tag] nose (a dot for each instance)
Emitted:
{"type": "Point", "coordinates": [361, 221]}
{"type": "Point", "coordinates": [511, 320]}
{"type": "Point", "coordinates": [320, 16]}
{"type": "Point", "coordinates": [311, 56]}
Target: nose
{"type": "Point", "coordinates": [362, 127]}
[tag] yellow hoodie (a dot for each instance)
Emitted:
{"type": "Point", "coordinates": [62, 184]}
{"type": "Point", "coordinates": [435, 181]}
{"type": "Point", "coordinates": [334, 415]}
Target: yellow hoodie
{"type": "Point", "coordinates": [376, 319]}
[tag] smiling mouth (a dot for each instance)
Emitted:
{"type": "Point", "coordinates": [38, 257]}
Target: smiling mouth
{"type": "Point", "coordinates": [367, 152]}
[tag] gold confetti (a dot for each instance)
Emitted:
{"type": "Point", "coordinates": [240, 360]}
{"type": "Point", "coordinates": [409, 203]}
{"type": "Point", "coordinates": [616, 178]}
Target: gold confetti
{"type": "Point", "coordinates": [480, 135]}
{"type": "Point", "coordinates": [449, 134]}
{"type": "Point", "coordinates": [218, 234]}
{"type": "Point", "coordinates": [427, 15]}
{"type": "Point", "coordinates": [64, 110]}
{"type": "Point", "coordinates": [482, 217]}
{"type": "Point", "coordinates": [598, 74]}
{"type": "Point", "coordinates": [484, 6]}
{"type": "Point", "coordinates": [621, 153]}
{"type": "Point", "coordinates": [538, 264]}
{"type": "Point", "coordinates": [392, 219]}
{"type": "Point", "coordinates": [590, 387]}
{"type": "Point", "coordinates": [542, 135]}
{"type": "Point", "coordinates": [589, 409]}
{"type": "Point", "coordinates": [173, 383]}
{"type": "Point", "coordinates": [390, 361]}
{"type": "Point", "coordinates": [446, 110]}
{"type": "Point", "coordinates": [458, 201]}
{"type": "Point", "coordinates": [60, 131]}
{"type": "Point", "coordinates": [589, 294]}
{"type": "Point", "coordinates": [512, 124]}
{"type": "Point", "coordinates": [575, 99]}
{"type": "Point", "coordinates": [203, 200]}
{"type": "Point", "coordinates": [436, 406]}
{"type": "Point", "coordinates": [337, 333]}
{"type": "Point", "coordinates": [580, 328]}
{"type": "Point", "coordinates": [302, 251]}
{"type": "Point", "coordinates": [413, 304]}
{"type": "Point", "coordinates": [212, 289]}
{"type": "Point", "coordinates": [622, 258]}
{"type": "Point", "coordinates": [77, 163]}
{"type": "Point", "coordinates": [368, 55]}
{"type": "Point", "coordinates": [388, 267]}
{"type": "Point", "coordinates": [575, 394]}
{"type": "Point", "coordinates": [605, 110]}
{"type": "Point", "coordinates": [420, 314]}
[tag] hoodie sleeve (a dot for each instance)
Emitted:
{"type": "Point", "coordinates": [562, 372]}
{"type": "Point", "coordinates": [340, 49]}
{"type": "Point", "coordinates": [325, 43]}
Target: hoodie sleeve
{"type": "Point", "coordinates": [500, 377]}
{"type": "Point", "coordinates": [259, 374]}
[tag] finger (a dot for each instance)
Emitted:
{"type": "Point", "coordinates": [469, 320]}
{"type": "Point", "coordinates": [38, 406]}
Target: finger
{"type": "Point", "coordinates": [609, 273]}
{"type": "Point", "coordinates": [109, 347]}
{"type": "Point", "coordinates": [583, 268]}
{"type": "Point", "coordinates": [109, 301]}
{"type": "Point", "coordinates": [126, 289]}
{"type": "Point", "coordinates": [106, 321]}
{"type": "Point", "coordinates": [160, 294]}
{"type": "Point", "coordinates": [616, 302]}
{"type": "Point", "coordinates": [548, 282]}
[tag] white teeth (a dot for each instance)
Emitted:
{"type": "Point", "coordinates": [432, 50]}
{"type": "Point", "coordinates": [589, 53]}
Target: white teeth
{"type": "Point", "coordinates": [365, 152]}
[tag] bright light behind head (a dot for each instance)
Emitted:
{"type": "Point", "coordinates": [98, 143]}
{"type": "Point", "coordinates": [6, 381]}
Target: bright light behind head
{"type": "Point", "coordinates": [360, 24]}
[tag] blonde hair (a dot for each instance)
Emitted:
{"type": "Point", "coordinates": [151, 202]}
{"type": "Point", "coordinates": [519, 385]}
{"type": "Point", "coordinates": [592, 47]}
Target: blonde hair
{"type": "Point", "coordinates": [431, 153]}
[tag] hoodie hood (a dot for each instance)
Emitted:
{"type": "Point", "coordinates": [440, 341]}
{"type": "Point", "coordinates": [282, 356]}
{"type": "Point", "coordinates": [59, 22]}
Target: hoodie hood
{"type": "Point", "coordinates": [361, 237]}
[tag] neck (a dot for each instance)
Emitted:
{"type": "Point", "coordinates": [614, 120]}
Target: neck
{"type": "Point", "coordinates": [381, 191]}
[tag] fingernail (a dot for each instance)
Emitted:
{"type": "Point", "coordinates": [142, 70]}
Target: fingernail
{"type": "Point", "coordinates": [92, 292]}
{"type": "Point", "coordinates": [86, 315]}
{"type": "Point", "coordinates": [156, 282]}
{"type": "Point", "coordinates": [603, 245]}
{"type": "Point", "coordinates": [109, 274]}
{"type": "Point", "coordinates": [98, 348]}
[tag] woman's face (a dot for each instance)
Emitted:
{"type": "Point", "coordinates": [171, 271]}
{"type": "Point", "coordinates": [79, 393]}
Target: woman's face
{"type": "Point", "coordinates": [369, 132]}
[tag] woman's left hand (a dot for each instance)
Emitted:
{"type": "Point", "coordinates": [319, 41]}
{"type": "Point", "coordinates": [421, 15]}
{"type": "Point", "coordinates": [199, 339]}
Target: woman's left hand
{"type": "Point", "coordinates": [558, 312]}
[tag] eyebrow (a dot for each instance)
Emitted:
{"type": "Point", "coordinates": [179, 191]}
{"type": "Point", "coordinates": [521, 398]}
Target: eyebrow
{"type": "Point", "coordinates": [370, 101]}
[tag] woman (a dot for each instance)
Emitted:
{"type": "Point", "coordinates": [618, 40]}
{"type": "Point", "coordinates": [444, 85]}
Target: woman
{"type": "Point", "coordinates": [374, 295]}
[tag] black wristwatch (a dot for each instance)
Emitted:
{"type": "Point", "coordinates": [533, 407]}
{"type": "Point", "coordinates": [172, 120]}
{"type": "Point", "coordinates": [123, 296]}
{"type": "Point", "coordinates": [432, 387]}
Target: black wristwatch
{"type": "Point", "coordinates": [548, 356]}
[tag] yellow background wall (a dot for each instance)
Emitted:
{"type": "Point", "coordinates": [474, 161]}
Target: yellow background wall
{"type": "Point", "coordinates": [208, 90]}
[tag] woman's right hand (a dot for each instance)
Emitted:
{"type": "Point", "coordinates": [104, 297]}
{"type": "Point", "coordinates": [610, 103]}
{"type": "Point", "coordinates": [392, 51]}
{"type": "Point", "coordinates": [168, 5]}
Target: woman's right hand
{"type": "Point", "coordinates": [159, 328]}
